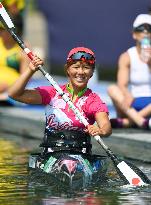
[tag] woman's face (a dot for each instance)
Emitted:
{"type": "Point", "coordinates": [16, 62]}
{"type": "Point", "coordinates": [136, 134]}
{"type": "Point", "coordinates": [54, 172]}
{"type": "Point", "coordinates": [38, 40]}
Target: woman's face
{"type": "Point", "coordinates": [138, 36]}
{"type": "Point", "coordinates": [79, 74]}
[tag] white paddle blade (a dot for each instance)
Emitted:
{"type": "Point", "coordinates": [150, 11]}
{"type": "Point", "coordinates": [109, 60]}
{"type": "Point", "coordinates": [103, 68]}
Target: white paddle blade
{"type": "Point", "coordinates": [6, 17]}
{"type": "Point", "coordinates": [130, 175]}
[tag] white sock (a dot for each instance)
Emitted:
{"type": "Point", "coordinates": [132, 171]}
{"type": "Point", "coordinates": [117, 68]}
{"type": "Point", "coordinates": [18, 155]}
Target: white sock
{"type": "Point", "coordinates": [149, 123]}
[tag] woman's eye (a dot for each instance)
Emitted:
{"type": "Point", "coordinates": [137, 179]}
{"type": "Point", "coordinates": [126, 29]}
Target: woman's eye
{"type": "Point", "coordinates": [87, 67]}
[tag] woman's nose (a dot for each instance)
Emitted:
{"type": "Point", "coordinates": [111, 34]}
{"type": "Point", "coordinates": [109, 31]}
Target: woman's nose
{"type": "Point", "coordinates": [81, 69]}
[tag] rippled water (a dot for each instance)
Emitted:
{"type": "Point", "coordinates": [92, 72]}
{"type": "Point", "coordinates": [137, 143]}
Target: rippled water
{"type": "Point", "coordinates": [17, 189]}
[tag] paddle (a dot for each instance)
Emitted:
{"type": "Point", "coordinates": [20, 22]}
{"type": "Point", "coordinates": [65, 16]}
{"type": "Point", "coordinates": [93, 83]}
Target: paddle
{"type": "Point", "coordinates": [128, 172]}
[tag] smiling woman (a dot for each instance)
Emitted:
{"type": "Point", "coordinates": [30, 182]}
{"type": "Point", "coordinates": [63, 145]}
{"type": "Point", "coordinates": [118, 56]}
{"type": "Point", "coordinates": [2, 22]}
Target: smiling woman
{"type": "Point", "coordinates": [79, 74]}
{"type": "Point", "coordinates": [79, 68]}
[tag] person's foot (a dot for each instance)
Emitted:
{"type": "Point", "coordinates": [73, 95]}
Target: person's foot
{"type": "Point", "coordinates": [116, 122]}
{"type": "Point", "coordinates": [147, 124]}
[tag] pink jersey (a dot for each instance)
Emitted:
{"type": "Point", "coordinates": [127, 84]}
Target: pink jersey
{"type": "Point", "coordinates": [58, 114]}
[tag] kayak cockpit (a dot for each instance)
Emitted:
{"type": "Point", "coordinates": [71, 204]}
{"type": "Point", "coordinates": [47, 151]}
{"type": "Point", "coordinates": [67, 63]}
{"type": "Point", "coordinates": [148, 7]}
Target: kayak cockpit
{"type": "Point", "coordinates": [67, 157]}
{"type": "Point", "coordinates": [70, 168]}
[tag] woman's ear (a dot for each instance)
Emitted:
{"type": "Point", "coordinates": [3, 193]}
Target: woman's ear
{"type": "Point", "coordinates": [67, 72]}
{"type": "Point", "coordinates": [66, 69]}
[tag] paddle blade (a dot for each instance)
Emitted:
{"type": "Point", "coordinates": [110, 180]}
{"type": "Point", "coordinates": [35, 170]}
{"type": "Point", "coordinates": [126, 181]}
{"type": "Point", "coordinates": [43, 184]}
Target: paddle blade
{"type": "Point", "coordinates": [133, 175]}
{"type": "Point", "coordinates": [145, 179]}
{"type": "Point", "coordinates": [129, 173]}
{"type": "Point", "coordinates": [5, 17]}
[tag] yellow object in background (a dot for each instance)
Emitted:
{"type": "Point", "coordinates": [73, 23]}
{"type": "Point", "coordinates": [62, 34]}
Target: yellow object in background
{"type": "Point", "coordinates": [8, 76]}
{"type": "Point", "coordinates": [19, 3]}
{"type": "Point", "coordinates": [9, 63]}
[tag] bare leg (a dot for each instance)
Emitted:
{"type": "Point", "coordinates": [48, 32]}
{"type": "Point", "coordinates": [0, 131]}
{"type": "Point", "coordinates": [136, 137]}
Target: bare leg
{"type": "Point", "coordinates": [131, 114]}
{"type": "Point", "coordinates": [117, 98]}
{"type": "Point", "coordinates": [135, 117]}
{"type": "Point", "coordinates": [145, 112]}
{"type": "Point", "coordinates": [3, 87]}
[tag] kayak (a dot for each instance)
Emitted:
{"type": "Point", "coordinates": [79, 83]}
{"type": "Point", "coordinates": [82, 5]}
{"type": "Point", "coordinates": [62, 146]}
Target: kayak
{"type": "Point", "coordinates": [71, 169]}
{"type": "Point", "coordinates": [66, 158]}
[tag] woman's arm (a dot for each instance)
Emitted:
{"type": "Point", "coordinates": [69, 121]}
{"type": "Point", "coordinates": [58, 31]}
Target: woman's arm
{"type": "Point", "coordinates": [123, 76]}
{"type": "Point", "coordinates": [18, 91]}
{"type": "Point", "coordinates": [103, 127]}
{"type": "Point", "coordinates": [104, 124]}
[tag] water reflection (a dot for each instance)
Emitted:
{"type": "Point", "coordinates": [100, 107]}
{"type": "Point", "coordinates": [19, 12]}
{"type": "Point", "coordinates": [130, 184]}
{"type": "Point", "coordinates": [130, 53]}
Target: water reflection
{"type": "Point", "coordinates": [17, 189]}
{"type": "Point", "coordinates": [12, 172]}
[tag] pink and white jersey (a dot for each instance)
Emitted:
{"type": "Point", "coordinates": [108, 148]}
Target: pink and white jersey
{"type": "Point", "coordinates": [58, 114]}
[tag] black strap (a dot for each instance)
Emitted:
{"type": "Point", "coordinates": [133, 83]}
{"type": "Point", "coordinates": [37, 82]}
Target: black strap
{"type": "Point", "coordinates": [67, 140]}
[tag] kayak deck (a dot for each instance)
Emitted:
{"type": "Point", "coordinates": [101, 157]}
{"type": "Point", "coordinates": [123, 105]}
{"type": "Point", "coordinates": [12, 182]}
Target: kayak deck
{"type": "Point", "coordinates": [69, 169]}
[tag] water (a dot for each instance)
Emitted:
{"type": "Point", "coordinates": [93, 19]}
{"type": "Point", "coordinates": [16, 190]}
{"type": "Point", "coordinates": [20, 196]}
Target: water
{"type": "Point", "coordinates": [17, 189]}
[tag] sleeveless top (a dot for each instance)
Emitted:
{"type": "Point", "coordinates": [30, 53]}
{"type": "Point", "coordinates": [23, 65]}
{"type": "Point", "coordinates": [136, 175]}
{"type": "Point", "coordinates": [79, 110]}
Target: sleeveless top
{"type": "Point", "coordinates": [9, 63]}
{"type": "Point", "coordinates": [140, 75]}
{"type": "Point", "coordinates": [58, 114]}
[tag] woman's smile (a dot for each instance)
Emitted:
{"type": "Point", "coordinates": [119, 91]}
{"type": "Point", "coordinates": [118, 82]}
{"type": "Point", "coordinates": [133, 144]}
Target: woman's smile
{"type": "Point", "coordinates": [80, 79]}
{"type": "Point", "coordinates": [79, 73]}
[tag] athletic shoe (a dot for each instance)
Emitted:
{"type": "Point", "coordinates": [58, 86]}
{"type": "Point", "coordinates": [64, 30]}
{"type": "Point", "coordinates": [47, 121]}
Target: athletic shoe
{"type": "Point", "coordinates": [147, 124]}
{"type": "Point", "coordinates": [116, 122]}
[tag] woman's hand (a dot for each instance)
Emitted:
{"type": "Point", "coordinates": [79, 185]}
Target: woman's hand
{"type": "Point", "coordinates": [35, 63]}
{"type": "Point", "coordinates": [93, 130]}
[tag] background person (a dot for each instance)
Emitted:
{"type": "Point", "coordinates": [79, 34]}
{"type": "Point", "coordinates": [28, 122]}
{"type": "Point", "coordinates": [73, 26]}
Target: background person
{"type": "Point", "coordinates": [16, 9]}
{"type": "Point", "coordinates": [133, 105]}
{"type": "Point", "coordinates": [59, 117]}
{"type": "Point", "coordinates": [12, 60]}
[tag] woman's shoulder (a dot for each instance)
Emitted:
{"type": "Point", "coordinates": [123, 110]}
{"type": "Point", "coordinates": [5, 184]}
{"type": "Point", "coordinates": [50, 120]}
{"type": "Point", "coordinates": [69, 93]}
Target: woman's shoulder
{"type": "Point", "coordinates": [124, 58]}
{"type": "Point", "coordinates": [125, 54]}
{"type": "Point", "coordinates": [132, 50]}
{"type": "Point", "coordinates": [94, 103]}
{"type": "Point", "coordinates": [47, 93]}
{"type": "Point", "coordinates": [93, 96]}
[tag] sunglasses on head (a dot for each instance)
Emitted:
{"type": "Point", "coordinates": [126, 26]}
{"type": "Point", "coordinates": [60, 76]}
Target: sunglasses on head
{"type": "Point", "coordinates": [143, 27]}
{"type": "Point", "coordinates": [82, 56]}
